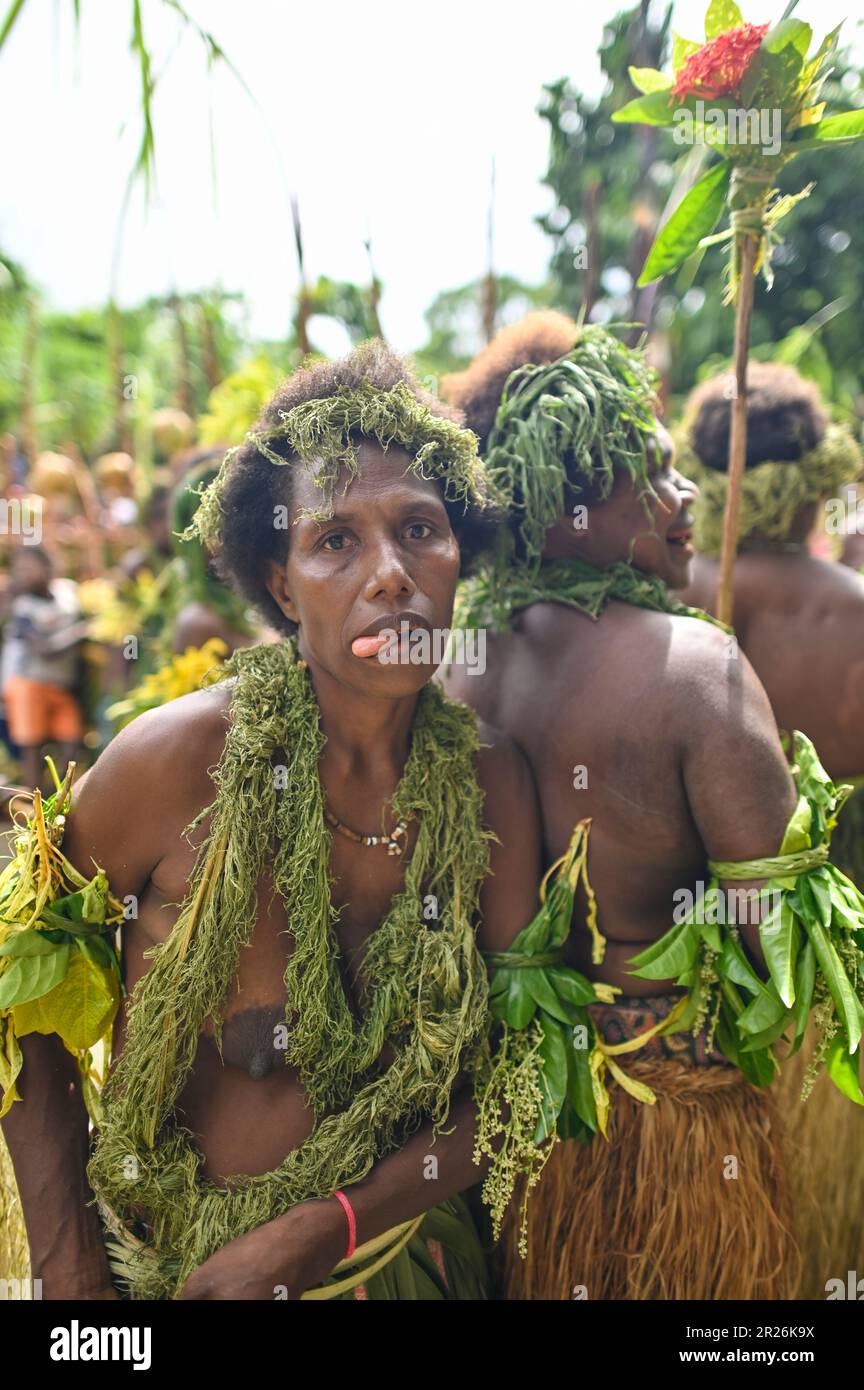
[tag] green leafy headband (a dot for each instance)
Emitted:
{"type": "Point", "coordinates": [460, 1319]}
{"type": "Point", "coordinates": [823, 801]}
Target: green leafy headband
{"type": "Point", "coordinates": [579, 420]}
{"type": "Point", "coordinates": [322, 436]}
{"type": "Point", "coordinates": [771, 492]}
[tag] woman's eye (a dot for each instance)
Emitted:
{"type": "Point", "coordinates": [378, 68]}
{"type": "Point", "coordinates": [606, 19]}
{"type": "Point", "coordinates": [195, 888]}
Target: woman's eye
{"type": "Point", "coordinates": [334, 542]}
{"type": "Point", "coordinates": [419, 530]}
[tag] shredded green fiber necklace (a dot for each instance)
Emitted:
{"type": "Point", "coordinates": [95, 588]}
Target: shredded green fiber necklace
{"type": "Point", "coordinates": [425, 984]}
{"type": "Point", "coordinates": [490, 599]}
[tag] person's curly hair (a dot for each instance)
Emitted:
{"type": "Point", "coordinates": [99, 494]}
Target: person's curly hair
{"type": "Point", "coordinates": [539, 338]}
{"type": "Point", "coordinates": [255, 486]}
{"type": "Point", "coordinates": [785, 416]}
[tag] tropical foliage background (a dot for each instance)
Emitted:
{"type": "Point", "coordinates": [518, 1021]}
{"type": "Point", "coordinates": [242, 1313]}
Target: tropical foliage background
{"type": "Point", "coordinates": [95, 377]}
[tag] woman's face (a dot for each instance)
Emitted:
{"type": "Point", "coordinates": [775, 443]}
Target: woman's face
{"type": "Point", "coordinates": [654, 534]}
{"type": "Point", "coordinates": [388, 556]}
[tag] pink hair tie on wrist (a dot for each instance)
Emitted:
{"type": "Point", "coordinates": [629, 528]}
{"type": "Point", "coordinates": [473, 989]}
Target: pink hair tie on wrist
{"type": "Point", "coordinates": [352, 1223]}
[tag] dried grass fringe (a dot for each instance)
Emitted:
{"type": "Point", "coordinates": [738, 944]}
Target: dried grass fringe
{"type": "Point", "coordinates": [826, 1170]}
{"type": "Point", "coordinates": [650, 1215]}
{"type": "Point", "coordinates": [14, 1251]}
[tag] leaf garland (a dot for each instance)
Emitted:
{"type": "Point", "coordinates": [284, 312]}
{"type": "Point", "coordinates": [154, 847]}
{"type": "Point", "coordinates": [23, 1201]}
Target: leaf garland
{"type": "Point", "coordinates": [812, 937]}
{"type": "Point", "coordinates": [59, 967]}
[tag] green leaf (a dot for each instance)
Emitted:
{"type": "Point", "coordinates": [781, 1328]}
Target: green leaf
{"type": "Point", "coordinates": [695, 217]}
{"type": "Point", "coordinates": [788, 31]}
{"type": "Point", "coordinates": [543, 992]}
{"type": "Point", "coordinates": [797, 834]}
{"type": "Point", "coordinates": [81, 1007]}
{"type": "Point", "coordinates": [579, 1088]}
{"type": "Point", "coordinates": [758, 1067]}
{"type": "Point", "coordinates": [819, 889]}
{"type": "Point", "coordinates": [763, 1013]}
{"type": "Point", "coordinates": [72, 906]}
{"type": "Point", "coordinates": [758, 1041]}
{"type": "Point", "coordinates": [649, 80]}
{"type": "Point", "coordinates": [711, 934]}
{"type": "Point", "coordinates": [11, 15]}
{"type": "Point", "coordinates": [735, 966]}
{"type": "Point", "coordinates": [845, 126]}
{"type": "Point", "coordinates": [553, 1076]}
{"type": "Point", "coordinates": [670, 956]}
{"type": "Point", "coordinates": [720, 16]}
{"type": "Point", "coordinates": [842, 993]}
{"type": "Point", "coordinates": [652, 109]}
{"type": "Point", "coordinates": [682, 49]}
{"type": "Point", "coordinates": [32, 976]}
{"type": "Point", "coordinates": [26, 943]}
{"type": "Point", "coordinates": [780, 937]}
{"type": "Point", "coordinates": [805, 979]}
{"type": "Point", "coordinates": [519, 1008]}
{"type": "Point", "coordinates": [571, 986]}
{"type": "Point", "coordinates": [843, 1070]}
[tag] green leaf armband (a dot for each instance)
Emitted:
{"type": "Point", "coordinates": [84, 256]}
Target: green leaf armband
{"type": "Point", "coordinates": [547, 1067]}
{"type": "Point", "coordinates": [59, 966]}
{"type": "Point", "coordinates": [811, 930]}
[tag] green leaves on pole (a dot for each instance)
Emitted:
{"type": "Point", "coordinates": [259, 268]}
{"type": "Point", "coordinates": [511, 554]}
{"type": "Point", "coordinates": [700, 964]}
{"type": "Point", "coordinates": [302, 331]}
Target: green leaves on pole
{"type": "Point", "coordinates": [695, 217]}
{"type": "Point", "coordinates": [719, 92]}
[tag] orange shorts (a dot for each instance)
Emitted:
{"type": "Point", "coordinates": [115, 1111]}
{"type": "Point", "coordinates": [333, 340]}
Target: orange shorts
{"type": "Point", "coordinates": [38, 713]}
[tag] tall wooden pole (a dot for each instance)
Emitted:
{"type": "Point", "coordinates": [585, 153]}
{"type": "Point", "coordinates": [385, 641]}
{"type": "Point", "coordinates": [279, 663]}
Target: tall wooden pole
{"type": "Point", "coordinates": [490, 284]}
{"type": "Point", "coordinates": [738, 432]}
{"type": "Point", "coordinates": [303, 306]}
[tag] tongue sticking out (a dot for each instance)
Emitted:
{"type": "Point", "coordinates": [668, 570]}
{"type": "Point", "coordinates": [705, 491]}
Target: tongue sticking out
{"type": "Point", "coordinates": [368, 646]}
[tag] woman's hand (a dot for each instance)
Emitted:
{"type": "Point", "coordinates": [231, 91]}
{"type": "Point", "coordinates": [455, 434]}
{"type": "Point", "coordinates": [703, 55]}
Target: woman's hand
{"type": "Point", "coordinates": [278, 1260]}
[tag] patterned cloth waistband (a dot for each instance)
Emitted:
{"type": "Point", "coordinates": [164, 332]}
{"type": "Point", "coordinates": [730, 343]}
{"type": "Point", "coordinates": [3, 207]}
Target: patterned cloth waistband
{"type": "Point", "coordinates": [632, 1014]}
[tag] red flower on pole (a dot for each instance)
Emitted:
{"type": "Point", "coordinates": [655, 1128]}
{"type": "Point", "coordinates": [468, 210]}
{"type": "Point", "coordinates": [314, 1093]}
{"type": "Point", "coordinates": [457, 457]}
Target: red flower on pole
{"type": "Point", "coordinates": [718, 67]}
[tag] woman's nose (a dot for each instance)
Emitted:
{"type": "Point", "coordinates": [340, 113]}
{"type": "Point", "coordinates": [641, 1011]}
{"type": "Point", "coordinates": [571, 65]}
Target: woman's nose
{"type": "Point", "coordinates": [388, 574]}
{"type": "Point", "coordinates": [686, 486]}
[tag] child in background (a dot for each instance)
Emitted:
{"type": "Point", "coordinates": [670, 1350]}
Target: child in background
{"type": "Point", "coordinates": [42, 635]}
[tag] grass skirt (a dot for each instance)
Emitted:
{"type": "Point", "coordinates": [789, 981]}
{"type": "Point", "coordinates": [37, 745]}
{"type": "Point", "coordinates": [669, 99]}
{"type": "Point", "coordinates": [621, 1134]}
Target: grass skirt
{"type": "Point", "coordinates": [826, 1167]}
{"type": "Point", "coordinates": [652, 1214]}
{"type": "Point", "coordinates": [826, 1133]}
{"type": "Point", "coordinates": [14, 1252]}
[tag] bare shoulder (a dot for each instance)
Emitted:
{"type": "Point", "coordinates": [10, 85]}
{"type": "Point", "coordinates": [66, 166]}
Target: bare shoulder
{"type": "Point", "coordinates": [147, 786]}
{"type": "Point", "coordinates": [173, 741]}
{"type": "Point", "coordinates": [708, 673]}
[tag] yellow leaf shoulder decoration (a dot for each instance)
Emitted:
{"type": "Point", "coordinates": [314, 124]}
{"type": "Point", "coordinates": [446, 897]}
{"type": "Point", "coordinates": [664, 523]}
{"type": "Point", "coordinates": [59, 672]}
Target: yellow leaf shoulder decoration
{"type": "Point", "coordinates": [59, 964]}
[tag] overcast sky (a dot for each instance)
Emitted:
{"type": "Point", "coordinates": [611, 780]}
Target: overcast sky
{"type": "Point", "coordinates": [383, 118]}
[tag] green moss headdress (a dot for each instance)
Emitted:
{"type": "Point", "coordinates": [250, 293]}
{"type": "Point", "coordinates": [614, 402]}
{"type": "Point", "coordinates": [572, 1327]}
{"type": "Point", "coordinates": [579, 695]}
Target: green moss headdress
{"type": "Point", "coordinates": [771, 492]}
{"type": "Point", "coordinates": [322, 436]}
{"type": "Point", "coordinates": [577, 421]}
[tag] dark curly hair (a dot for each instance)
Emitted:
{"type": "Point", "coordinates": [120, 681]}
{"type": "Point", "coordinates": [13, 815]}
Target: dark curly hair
{"type": "Point", "coordinates": [785, 417]}
{"type": "Point", "coordinates": [255, 486]}
{"type": "Point", "coordinates": [540, 338]}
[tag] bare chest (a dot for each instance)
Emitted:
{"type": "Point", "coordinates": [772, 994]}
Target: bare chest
{"type": "Point", "coordinates": [257, 1009]}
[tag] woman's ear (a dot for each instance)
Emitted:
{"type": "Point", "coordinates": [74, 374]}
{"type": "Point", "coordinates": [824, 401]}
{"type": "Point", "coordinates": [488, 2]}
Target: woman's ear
{"type": "Point", "coordinates": [276, 584]}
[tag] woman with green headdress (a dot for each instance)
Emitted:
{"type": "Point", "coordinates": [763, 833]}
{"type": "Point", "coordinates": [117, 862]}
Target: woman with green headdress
{"type": "Point", "coordinates": [700, 892]}
{"type": "Point", "coordinates": [800, 621]}
{"type": "Point", "coordinates": [799, 618]}
{"type": "Point", "coordinates": [292, 1043]}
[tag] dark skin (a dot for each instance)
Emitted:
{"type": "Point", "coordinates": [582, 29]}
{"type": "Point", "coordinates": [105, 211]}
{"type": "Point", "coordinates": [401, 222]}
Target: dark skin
{"type": "Point", "coordinates": [392, 550]}
{"type": "Point", "coordinates": [682, 756]}
{"type": "Point", "coordinates": [800, 621]}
